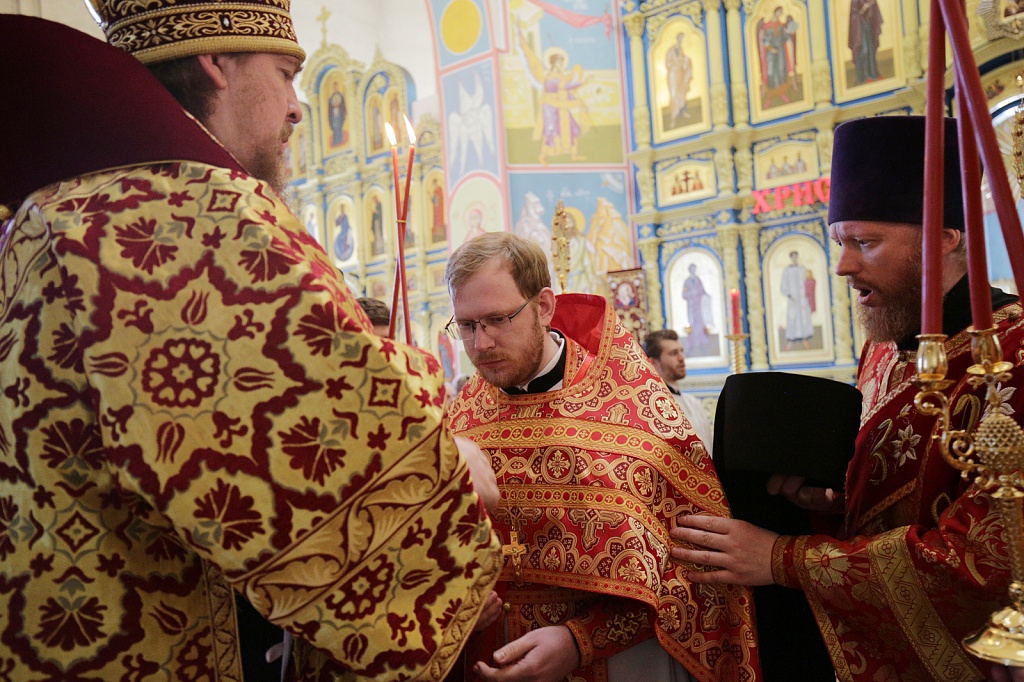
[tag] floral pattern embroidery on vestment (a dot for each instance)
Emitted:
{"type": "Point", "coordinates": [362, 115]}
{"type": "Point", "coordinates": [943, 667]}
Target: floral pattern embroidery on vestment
{"type": "Point", "coordinates": [192, 404]}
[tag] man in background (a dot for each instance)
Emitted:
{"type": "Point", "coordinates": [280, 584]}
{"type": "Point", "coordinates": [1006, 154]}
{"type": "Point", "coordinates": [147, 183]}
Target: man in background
{"type": "Point", "coordinates": [665, 352]}
{"type": "Point", "coordinates": [194, 404]}
{"type": "Point", "coordinates": [379, 314]}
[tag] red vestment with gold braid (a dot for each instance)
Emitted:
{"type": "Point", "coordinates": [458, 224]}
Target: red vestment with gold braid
{"type": "Point", "coordinates": [593, 475]}
{"type": "Point", "coordinates": [921, 561]}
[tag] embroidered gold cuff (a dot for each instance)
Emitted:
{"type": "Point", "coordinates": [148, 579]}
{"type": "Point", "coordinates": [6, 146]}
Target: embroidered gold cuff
{"type": "Point", "coordinates": [781, 551]}
{"type": "Point", "coordinates": [583, 643]}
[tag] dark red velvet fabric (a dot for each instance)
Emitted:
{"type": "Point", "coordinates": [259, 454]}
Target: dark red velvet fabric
{"type": "Point", "coordinates": [71, 104]}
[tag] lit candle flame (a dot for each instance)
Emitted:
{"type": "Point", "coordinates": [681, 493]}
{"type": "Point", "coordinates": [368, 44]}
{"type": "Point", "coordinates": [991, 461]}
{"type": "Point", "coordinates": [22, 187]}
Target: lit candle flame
{"type": "Point", "coordinates": [390, 132]}
{"type": "Point", "coordinates": [410, 131]}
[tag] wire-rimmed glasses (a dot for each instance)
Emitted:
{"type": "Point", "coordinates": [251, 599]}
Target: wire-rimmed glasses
{"type": "Point", "coordinates": [494, 325]}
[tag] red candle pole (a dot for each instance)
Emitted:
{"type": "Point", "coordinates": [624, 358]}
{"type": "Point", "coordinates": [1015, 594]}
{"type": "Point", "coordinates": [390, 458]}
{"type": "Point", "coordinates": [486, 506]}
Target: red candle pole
{"type": "Point", "coordinates": [734, 301]}
{"type": "Point", "coordinates": [973, 99]}
{"type": "Point", "coordinates": [390, 132]}
{"type": "Point", "coordinates": [934, 134]}
{"type": "Point", "coordinates": [977, 264]}
{"type": "Point", "coordinates": [403, 226]}
{"type": "Point", "coordinates": [394, 302]}
{"type": "Point", "coordinates": [411, 132]}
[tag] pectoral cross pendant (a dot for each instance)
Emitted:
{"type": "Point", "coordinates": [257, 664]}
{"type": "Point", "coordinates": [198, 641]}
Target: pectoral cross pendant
{"type": "Point", "coordinates": [516, 550]}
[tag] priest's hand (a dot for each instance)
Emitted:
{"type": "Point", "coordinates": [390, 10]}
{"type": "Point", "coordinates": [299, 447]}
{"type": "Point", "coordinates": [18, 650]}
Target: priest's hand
{"type": "Point", "coordinates": [490, 612]}
{"type": "Point", "coordinates": [824, 500]}
{"type": "Point", "coordinates": [543, 655]}
{"type": "Point", "coordinates": [742, 552]}
{"type": "Point", "coordinates": [480, 472]}
{"type": "Point", "coordinates": [1003, 674]}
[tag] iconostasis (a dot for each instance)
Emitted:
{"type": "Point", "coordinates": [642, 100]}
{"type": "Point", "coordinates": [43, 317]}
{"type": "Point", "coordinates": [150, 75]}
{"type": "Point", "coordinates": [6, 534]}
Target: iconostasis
{"type": "Point", "coordinates": [690, 143]}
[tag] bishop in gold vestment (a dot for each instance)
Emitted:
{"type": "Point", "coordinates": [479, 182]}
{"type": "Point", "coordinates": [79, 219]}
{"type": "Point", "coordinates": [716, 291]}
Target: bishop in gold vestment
{"type": "Point", "coordinates": [192, 404]}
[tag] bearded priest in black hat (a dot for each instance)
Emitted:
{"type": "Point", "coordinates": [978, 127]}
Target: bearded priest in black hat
{"type": "Point", "coordinates": [917, 560]}
{"type": "Point", "coordinates": [192, 404]}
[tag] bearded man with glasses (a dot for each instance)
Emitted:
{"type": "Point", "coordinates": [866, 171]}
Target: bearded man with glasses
{"type": "Point", "coordinates": [594, 459]}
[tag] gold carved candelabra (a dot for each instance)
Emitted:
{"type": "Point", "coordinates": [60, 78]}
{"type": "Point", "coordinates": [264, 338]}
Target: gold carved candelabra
{"type": "Point", "coordinates": [737, 345]}
{"type": "Point", "coordinates": [994, 454]}
{"type": "Point", "coordinates": [560, 246]}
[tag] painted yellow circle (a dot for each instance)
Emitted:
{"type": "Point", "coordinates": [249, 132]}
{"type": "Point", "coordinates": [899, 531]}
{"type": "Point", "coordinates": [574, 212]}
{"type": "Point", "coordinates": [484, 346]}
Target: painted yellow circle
{"type": "Point", "coordinates": [460, 25]}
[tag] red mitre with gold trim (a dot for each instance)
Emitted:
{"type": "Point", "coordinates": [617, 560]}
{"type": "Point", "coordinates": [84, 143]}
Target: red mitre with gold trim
{"type": "Point", "coordinates": [160, 30]}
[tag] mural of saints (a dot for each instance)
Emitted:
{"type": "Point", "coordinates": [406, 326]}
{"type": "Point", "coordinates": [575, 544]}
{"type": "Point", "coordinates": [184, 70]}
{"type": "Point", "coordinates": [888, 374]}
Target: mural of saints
{"type": "Point", "coordinates": [474, 223]}
{"type": "Point", "coordinates": [376, 227]}
{"type": "Point", "coordinates": [609, 234]}
{"type": "Point", "coordinates": [798, 286]}
{"type": "Point", "coordinates": [395, 116]}
{"type": "Point", "coordinates": [679, 74]}
{"type": "Point", "coordinates": [472, 126]}
{"type": "Point", "coordinates": [300, 144]}
{"type": "Point", "coordinates": [336, 113]}
{"type": "Point", "coordinates": [344, 242]}
{"type": "Point", "coordinates": [376, 126]}
{"type": "Point", "coordinates": [865, 30]}
{"type": "Point", "coordinates": [438, 223]}
{"type": "Point", "coordinates": [699, 315]}
{"type": "Point", "coordinates": [584, 277]}
{"type": "Point", "coordinates": [563, 118]}
{"type": "Point", "coordinates": [530, 225]}
{"type": "Point", "coordinates": [776, 44]}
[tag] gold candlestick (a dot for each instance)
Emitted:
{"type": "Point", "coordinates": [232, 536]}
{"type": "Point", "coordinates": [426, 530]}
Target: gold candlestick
{"type": "Point", "coordinates": [560, 246]}
{"type": "Point", "coordinates": [995, 454]}
{"type": "Point", "coordinates": [737, 345]}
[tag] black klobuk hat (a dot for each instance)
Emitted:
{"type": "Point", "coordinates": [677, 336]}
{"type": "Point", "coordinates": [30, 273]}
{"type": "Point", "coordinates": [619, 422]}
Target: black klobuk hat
{"type": "Point", "coordinates": [775, 422]}
{"type": "Point", "coordinates": [778, 422]}
{"type": "Point", "coordinates": [878, 171]}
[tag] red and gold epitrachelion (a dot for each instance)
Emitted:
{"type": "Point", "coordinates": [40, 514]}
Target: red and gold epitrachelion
{"type": "Point", "coordinates": [592, 476]}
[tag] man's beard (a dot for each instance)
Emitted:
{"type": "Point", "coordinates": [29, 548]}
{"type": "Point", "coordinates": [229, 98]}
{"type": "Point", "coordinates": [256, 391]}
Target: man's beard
{"type": "Point", "coordinates": [525, 361]}
{"type": "Point", "coordinates": [674, 375]}
{"type": "Point", "coordinates": [268, 162]}
{"type": "Point", "coordinates": [900, 317]}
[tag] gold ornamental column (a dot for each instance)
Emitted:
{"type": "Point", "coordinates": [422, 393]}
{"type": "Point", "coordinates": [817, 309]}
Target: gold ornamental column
{"type": "Point", "coordinates": [728, 243]}
{"type": "Point", "coordinates": [635, 25]}
{"type": "Point", "coordinates": [821, 70]}
{"type": "Point", "coordinates": [824, 140]}
{"type": "Point", "coordinates": [920, 8]}
{"type": "Point", "coordinates": [417, 216]}
{"type": "Point", "coordinates": [743, 162]}
{"type": "Point", "coordinates": [641, 113]}
{"type": "Point", "coordinates": [737, 69]}
{"type": "Point", "coordinates": [913, 56]}
{"type": "Point", "coordinates": [649, 250]}
{"type": "Point", "coordinates": [841, 311]}
{"type": "Point", "coordinates": [719, 91]}
{"type": "Point", "coordinates": [728, 246]}
{"type": "Point", "coordinates": [749, 236]}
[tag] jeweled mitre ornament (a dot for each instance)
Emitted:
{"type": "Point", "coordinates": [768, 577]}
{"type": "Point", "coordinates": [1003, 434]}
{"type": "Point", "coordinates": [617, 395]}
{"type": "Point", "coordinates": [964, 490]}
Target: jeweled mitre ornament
{"type": "Point", "coordinates": [158, 30]}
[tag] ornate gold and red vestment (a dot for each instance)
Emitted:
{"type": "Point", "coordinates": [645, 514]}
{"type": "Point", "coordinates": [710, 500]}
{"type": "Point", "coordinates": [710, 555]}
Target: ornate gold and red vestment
{"type": "Point", "coordinates": [592, 476]}
{"type": "Point", "coordinates": [921, 561]}
{"type": "Point", "coordinates": [192, 404]}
